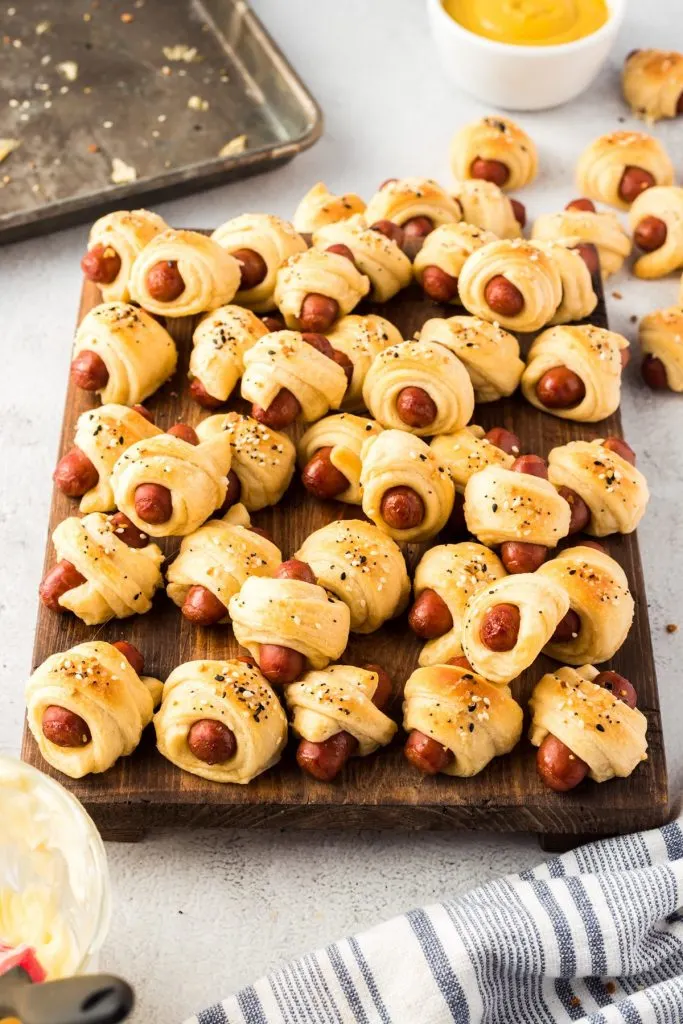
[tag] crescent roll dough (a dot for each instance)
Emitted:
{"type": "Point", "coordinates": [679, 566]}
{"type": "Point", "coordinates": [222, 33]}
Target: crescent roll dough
{"type": "Point", "coordinates": [103, 434]}
{"type": "Point", "coordinates": [572, 227]}
{"type": "Point", "coordinates": [489, 354]}
{"type": "Point", "coordinates": [234, 694]}
{"type": "Point", "coordinates": [218, 345]}
{"type": "Point", "coordinates": [534, 273]}
{"type": "Point", "coordinates": [385, 265]}
{"type": "Point", "coordinates": [542, 604]}
{"type": "Point", "coordinates": [596, 726]}
{"type": "Point", "coordinates": [196, 476]}
{"type": "Point", "coordinates": [465, 713]}
{"type": "Point", "coordinates": [424, 364]}
{"type": "Point", "coordinates": [499, 139]}
{"type": "Point", "coordinates": [339, 699]}
{"type": "Point", "coordinates": [405, 198]}
{"type": "Point", "coordinates": [284, 360]}
{"type": "Point", "coordinates": [319, 207]}
{"type": "Point", "coordinates": [652, 81]}
{"type": "Point", "coordinates": [503, 505]}
{"type": "Point", "coordinates": [119, 580]}
{"type": "Point", "coordinates": [263, 459]}
{"type": "Point", "coordinates": [614, 490]}
{"type": "Point", "coordinates": [219, 556]}
{"type": "Point", "coordinates": [447, 247]}
{"type": "Point", "coordinates": [293, 614]}
{"type": "Point", "coordinates": [127, 232]}
{"type": "Point", "coordinates": [666, 204]}
{"type": "Point", "coordinates": [466, 452]}
{"type": "Point", "coordinates": [361, 566]}
{"type": "Point", "coordinates": [661, 335]}
{"type": "Point", "coordinates": [95, 682]}
{"type": "Point", "coordinates": [361, 338]}
{"type": "Point", "coordinates": [396, 458]}
{"type": "Point", "coordinates": [599, 594]}
{"type": "Point", "coordinates": [138, 352]}
{"type": "Point", "coordinates": [345, 435]}
{"type": "Point", "coordinates": [594, 354]}
{"type": "Point", "coordinates": [210, 273]}
{"type": "Point", "coordinates": [319, 273]}
{"type": "Point", "coordinates": [578, 298]}
{"type": "Point", "coordinates": [602, 164]}
{"type": "Point", "coordinates": [454, 572]}
{"type": "Point", "coordinates": [273, 239]}
{"type": "Point", "coordinates": [487, 207]}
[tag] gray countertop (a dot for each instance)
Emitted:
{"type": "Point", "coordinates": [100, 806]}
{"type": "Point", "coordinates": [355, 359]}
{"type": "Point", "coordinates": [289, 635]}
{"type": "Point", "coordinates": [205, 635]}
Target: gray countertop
{"type": "Point", "coordinates": [197, 915]}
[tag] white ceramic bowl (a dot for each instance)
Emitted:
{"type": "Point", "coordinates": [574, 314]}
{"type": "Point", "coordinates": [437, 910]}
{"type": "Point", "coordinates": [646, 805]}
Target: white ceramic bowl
{"type": "Point", "coordinates": [521, 77]}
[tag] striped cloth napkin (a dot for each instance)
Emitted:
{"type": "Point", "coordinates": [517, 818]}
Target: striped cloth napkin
{"type": "Point", "coordinates": [593, 936]}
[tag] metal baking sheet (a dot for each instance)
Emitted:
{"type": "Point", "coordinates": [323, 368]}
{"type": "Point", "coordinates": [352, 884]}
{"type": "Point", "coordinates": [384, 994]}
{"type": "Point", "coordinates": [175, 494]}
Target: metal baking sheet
{"type": "Point", "coordinates": [150, 88]}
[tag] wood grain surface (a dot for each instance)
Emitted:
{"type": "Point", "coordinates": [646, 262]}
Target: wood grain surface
{"type": "Point", "coordinates": [381, 791]}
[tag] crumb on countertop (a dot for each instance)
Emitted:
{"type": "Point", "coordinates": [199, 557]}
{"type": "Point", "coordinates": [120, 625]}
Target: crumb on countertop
{"type": "Point", "coordinates": [672, 628]}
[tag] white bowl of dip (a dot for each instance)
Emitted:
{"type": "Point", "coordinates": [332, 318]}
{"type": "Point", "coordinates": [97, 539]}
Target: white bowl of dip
{"type": "Point", "coordinates": [54, 880]}
{"type": "Point", "coordinates": [521, 77]}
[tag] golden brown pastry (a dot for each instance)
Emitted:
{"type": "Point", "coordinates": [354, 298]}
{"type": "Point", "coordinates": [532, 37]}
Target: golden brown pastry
{"type": "Point", "coordinates": [285, 361]}
{"type": "Point", "coordinates": [220, 720]}
{"type": "Point", "coordinates": [218, 557]}
{"type": "Point", "coordinates": [615, 492]}
{"type": "Point", "coordinates": [600, 605]}
{"type": "Point", "coordinates": [407, 493]}
{"type": "Point", "coordinates": [452, 572]}
{"type": "Point", "coordinates": [505, 505]}
{"type": "Point", "coordinates": [361, 566]}
{"type": "Point", "coordinates": [319, 207]}
{"type": "Point", "coordinates": [661, 341]}
{"type": "Point", "coordinates": [416, 204]}
{"type": "Point", "coordinates": [336, 442]}
{"type": "Point", "coordinates": [193, 477]}
{"type": "Point", "coordinates": [489, 354]}
{"type": "Point", "coordinates": [438, 264]}
{"type": "Point", "coordinates": [513, 284]}
{"type": "Point", "coordinates": [117, 580]}
{"type": "Point", "coordinates": [122, 353]}
{"type": "Point", "coordinates": [652, 81]}
{"type": "Point", "coordinates": [114, 243]}
{"type": "Point", "coordinates": [87, 707]}
{"type": "Point", "coordinates": [507, 624]}
{"type": "Point", "coordinates": [656, 218]}
{"type": "Point", "coordinates": [385, 265]}
{"type": "Point", "coordinates": [457, 720]}
{"type": "Point", "coordinates": [617, 167]}
{"type": "Point", "coordinates": [182, 272]}
{"type": "Point", "coordinates": [420, 386]}
{"type": "Point", "coordinates": [578, 298]}
{"type": "Point", "coordinates": [494, 149]}
{"type": "Point", "coordinates": [600, 729]}
{"type": "Point", "coordinates": [262, 459]}
{"type": "Point", "coordinates": [101, 436]}
{"type": "Point", "coordinates": [314, 288]}
{"type": "Point", "coordinates": [260, 243]}
{"type": "Point", "coordinates": [217, 359]}
{"type": "Point", "coordinates": [575, 372]}
{"type": "Point", "coordinates": [487, 207]}
{"type": "Point", "coordinates": [361, 338]}
{"type": "Point", "coordinates": [468, 451]}
{"type": "Point", "coordinates": [579, 227]}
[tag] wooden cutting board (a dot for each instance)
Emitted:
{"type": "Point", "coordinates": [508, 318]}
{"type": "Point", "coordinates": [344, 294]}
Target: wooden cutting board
{"type": "Point", "coordinates": [381, 791]}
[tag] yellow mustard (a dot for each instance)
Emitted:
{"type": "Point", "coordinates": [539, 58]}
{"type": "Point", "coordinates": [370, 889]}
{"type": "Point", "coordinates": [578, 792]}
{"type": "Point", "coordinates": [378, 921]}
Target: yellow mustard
{"type": "Point", "coordinates": [529, 22]}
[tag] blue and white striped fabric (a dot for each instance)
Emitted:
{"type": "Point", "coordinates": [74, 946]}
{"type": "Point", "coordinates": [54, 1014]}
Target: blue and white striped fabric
{"type": "Point", "coordinates": [593, 937]}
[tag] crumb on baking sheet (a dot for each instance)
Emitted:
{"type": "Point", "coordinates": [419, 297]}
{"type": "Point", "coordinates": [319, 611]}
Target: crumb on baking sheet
{"type": "Point", "coordinates": [127, 17]}
{"type": "Point", "coordinates": [633, 318]}
{"type": "Point", "coordinates": [68, 69]}
{"type": "Point", "coordinates": [121, 172]}
{"type": "Point", "coordinates": [42, 27]}
{"type": "Point", "coordinates": [93, 148]}
{"type": "Point", "coordinates": [197, 103]}
{"type": "Point", "coordinates": [672, 627]}
{"type": "Point", "coordinates": [8, 146]}
{"type": "Point", "coordinates": [617, 295]}
{"type": "Point", "coordinates": [180, 52]}
{"type": "Point", "coordinates": [234, 147]}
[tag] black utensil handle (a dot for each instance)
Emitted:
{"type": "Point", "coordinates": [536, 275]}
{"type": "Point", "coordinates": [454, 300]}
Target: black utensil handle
{"type": "Point", "coordinates": [90, 999]}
